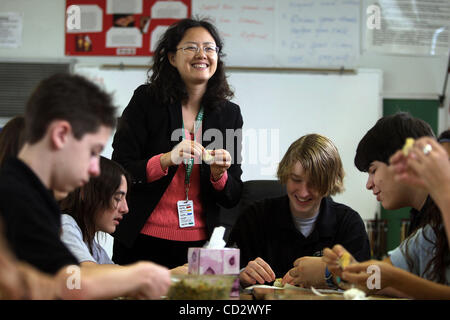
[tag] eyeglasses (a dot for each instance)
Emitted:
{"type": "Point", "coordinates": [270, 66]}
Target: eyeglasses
{"type": "Point", "coordinates": [192, 49]}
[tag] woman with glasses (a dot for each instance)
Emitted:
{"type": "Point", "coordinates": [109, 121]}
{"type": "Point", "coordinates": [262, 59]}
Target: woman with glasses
{"type": "Point", "coordinates": [180, 139]}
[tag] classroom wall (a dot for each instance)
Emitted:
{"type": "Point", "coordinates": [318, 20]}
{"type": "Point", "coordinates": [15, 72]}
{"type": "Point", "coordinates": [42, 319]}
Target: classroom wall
{"type": "Point", "coordinates": [43, 38]}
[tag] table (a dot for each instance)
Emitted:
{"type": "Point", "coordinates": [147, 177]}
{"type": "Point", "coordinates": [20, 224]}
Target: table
{"type": "Point", "coordinates": [265, 293]}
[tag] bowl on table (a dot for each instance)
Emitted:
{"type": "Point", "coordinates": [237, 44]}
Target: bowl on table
{"type": "Point", "coordinates": [201, 287]}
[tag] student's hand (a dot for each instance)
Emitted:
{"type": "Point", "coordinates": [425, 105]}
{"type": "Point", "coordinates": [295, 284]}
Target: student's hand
{"type": "Point", "coordinates": [256, 271]}
{"type": "Point", "coordinates": [11, 286]}
{"type": "Point", "coordinates": [37, 285]}
{"type": "Point", "coordinates": [21, 281]}
{"type": "Point", "coordinates": [429, 171]}
{"type": "Point", "coordinates": [154, 280]}
{"type": "Point", "coordinates": [370, 275]}
{"type": "Point", "coordinates": [185, 150]}
{"type": "Point", "coordinates": [331, 259]}
{"type": "Point", "coordinates": [220, 164]}
{"type": "Point", "coordinates": [307, 272]}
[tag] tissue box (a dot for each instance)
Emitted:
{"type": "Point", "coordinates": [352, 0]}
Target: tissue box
{"type": "Point", "coordinates": [215, 261]}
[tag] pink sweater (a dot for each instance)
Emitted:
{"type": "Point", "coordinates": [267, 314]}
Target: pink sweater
{"type": "Point", "coordinates": [163, 222]}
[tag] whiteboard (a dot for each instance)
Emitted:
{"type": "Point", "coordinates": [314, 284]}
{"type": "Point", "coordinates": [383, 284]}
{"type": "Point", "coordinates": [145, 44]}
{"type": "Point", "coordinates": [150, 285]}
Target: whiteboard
{"type": "Point", "coordinates": [279, 108]}
{"type": "Point", "coordinates": [286, 33]}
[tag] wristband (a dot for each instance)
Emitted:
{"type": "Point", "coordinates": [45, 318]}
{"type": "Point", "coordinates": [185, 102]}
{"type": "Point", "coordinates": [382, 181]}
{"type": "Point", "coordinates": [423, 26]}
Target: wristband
{"type": "Point", "coordinates": [329, 278]}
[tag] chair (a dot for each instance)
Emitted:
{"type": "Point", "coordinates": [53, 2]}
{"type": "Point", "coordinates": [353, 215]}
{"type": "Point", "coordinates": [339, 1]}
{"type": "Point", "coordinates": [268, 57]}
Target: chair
{"type": "Point", "coordinates": [252, 191]}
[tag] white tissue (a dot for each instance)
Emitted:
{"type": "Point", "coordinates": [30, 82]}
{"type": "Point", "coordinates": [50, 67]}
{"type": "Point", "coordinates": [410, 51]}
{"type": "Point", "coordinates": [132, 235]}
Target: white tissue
{"type": "Point", "coordinates": [216, 241]}
{"type": "Point", "coordinates": [354, 294]}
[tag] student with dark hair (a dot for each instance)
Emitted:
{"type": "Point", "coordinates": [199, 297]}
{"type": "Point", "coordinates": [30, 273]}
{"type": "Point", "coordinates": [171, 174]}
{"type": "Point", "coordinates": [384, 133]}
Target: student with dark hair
{"type": "Point", "coordinates": [19, 280]}
{"type": "Point", "coordinates": [373, 153]}
{"type": "Point", "coordinates": [419, 267]}
{"type": "Point", "coordinates": [161, 142]}
{"type": "Point", "coordinates": [12, 138]}
{"type": "Point", "coordinates": [68, 120]}
{"type": "Point", "coordinates": [61, 153]}
{"type": "Point", "coordinates": [285, 236]}
{"type": "Point", "coordinates": [98, 206]}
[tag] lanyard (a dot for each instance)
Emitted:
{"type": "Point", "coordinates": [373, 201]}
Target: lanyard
{"type": "Point", "coordinates": [190, 163]}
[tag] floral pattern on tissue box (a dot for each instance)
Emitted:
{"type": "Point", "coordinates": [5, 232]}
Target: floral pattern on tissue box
{"type": "Point", "coordinates": [213, 261]}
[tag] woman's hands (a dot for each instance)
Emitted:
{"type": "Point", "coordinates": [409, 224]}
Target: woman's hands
{"type": "Point", "coordinates": [185, 150]}
{"type": "Point", "coordinates": [220, 164]}
{"type": "Point", "coordinates": [219, 160]}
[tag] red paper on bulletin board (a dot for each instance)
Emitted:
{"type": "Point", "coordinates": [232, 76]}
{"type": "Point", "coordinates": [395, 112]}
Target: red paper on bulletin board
{"type": "Point", "coordinates": [119, 28]}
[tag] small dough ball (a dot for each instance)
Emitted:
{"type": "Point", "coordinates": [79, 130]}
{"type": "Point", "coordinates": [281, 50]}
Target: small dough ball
{"type": "Point", "coordinates": [408, 145]}
{"type": "Point", "coordinates": [278, 283]}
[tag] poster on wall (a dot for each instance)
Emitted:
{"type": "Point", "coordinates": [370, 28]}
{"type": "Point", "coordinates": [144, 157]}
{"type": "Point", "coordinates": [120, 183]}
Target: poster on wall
{"type": "Point", "coordinates": [119, 28]}
{"type": "Point", "coordinates": [410, 27]}
{"type": "Point", "coordinates": [11, 25]}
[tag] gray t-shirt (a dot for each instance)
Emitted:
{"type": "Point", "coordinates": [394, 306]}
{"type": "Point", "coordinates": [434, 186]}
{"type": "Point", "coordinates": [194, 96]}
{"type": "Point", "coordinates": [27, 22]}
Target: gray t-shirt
{"type": "Point", "coordinates": [420, 250]}
{"type": "Point", "coordinates": [305, 226]}
{"type": "Point", "coordinates": [73, 238]}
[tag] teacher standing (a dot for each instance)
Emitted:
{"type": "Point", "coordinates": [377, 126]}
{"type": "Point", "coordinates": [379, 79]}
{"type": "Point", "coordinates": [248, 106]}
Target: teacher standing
{"type": "Point", "coordinates": [180, 139]}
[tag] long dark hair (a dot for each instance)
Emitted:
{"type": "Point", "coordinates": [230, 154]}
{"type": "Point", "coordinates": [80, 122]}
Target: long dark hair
{"type": "Point", "coordinates": [165, 80]}
{"type": "Point", "coordinates": [84, 204]}
{"type": "Point", "coordinates": [436, 268]}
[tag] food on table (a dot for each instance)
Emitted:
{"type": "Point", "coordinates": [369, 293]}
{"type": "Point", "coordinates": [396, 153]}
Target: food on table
{"type": "Point", "coordinates": [278, 283]}
{"type": "Point", "coordinates": [201, 287]}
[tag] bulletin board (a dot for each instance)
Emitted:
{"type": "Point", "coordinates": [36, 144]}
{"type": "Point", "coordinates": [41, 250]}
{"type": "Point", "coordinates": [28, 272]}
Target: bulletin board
{"type": "Point", "coordinates": [256, 33]}
{"type": "Point", "coordinates": [119, 28]}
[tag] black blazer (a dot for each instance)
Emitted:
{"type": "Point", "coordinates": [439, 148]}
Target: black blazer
{"type": "Point", "coordinates": [145, 130]}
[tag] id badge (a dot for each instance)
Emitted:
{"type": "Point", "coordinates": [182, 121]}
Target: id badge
{"type": "Point", "coordinates": [186, 213]}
